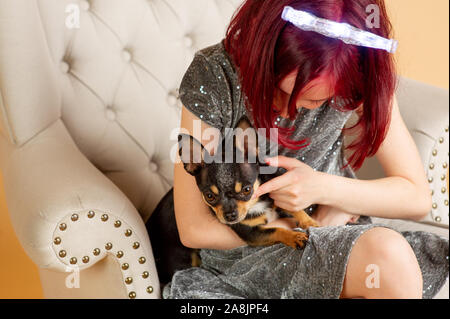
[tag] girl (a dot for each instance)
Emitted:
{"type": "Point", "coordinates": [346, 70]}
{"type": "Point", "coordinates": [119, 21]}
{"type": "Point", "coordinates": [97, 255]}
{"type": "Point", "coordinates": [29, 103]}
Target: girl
{"type": "Point", "coordinates": [308, 85]}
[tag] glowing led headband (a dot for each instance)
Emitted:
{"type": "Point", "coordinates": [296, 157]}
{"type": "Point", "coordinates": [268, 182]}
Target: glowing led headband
{"type": "Point", "coordinates": [342, 31]}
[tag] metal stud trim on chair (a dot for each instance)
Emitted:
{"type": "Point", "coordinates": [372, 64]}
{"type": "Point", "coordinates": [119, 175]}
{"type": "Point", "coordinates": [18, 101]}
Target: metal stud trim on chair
{"type": "Point", "coordinates": [437, 171]}
{"type": "Point", "coordinates": [127, 251]}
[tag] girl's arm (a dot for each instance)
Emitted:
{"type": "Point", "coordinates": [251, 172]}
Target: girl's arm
{"type": "Point", "coordinates": [197, 227]}
{"type": "Point", "coordinates": [404, 193]}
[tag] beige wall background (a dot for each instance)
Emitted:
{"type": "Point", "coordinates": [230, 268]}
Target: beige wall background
{"type": "Point", "coordinates": [422, 29]}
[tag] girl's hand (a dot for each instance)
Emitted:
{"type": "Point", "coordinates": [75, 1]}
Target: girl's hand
{"type": "Point", "coordinates": [295, 190]}
{"type": "Point", "coordinates": [331, 216]}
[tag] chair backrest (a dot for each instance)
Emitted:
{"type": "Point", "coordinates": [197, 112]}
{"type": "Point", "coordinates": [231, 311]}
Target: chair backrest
{"type": "Point", "coordinates": [110, 69]}
{"type": "Point", "coordinates": [424, 109]}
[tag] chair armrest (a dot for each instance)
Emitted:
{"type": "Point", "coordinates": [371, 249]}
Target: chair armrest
{"type": "Point", "coordinates": [424, 109]}
{"type": "Point", "coordinates": [68, 215]}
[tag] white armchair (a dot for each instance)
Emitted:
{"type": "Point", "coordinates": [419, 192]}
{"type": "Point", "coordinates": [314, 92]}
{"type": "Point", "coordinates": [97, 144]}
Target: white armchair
{"type": "Point", "coordinates": [88, 100]}
{"type": "Point", "coordinates": [85, 121]}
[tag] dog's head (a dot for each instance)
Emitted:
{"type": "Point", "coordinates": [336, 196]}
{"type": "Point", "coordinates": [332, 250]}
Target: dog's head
{"type": "Point", "coordinates": [226, 181]}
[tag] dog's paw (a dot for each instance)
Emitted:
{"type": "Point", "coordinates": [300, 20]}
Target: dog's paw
{"type": "Point", "coordinates": [296, 239]}
{"type": "Point", "coordinates": [312, 223]}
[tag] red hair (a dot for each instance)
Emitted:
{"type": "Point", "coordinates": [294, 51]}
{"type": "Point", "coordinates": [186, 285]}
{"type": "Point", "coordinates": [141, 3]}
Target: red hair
{"type": "Point", "coordinates": [265, 49]}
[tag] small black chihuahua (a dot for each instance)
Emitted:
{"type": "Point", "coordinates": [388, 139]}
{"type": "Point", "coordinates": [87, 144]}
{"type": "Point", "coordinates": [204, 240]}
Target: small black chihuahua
{"type": "Point", "coordinates": [227, 188]}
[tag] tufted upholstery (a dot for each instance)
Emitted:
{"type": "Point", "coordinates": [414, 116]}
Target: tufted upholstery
{"type": "Point", "coordinates": [85, 120]}
{"type": "Point", "coordinates": [107, 80]}
{"type": "Point", "coordinates": [424, 109]}
{"type": "Point", "coordinates": [86, 116]}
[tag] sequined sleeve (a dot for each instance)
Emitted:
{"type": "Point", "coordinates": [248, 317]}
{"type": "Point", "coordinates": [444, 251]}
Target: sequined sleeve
{"type": "Point", "coordinates": [204, 92]}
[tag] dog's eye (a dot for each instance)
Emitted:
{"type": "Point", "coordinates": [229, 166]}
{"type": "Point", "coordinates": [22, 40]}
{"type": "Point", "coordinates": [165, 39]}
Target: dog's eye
{"type": "Point", "coordinates": [247, 190]}
{"type": "Point", "coordinates": [210, 197]}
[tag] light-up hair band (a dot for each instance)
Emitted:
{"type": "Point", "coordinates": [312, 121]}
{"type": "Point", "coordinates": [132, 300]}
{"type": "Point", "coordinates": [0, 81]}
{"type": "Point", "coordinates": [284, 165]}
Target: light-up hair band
{"type": "Point", "coordinates": [342, 31]}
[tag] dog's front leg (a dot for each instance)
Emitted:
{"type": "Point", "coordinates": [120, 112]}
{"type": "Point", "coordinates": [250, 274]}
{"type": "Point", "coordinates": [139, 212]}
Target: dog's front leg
{"type": "Point", "coordinates": [266, 236]}
{"type": "Point", "coordinates": [304, 220]}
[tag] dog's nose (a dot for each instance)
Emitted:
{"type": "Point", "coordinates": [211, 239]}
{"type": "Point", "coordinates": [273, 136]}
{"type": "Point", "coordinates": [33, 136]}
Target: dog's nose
{"type": "Point", "coordinates": [232, 216]}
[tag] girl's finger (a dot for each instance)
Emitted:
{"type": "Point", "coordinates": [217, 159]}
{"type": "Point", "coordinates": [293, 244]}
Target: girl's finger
{"type": "Point", "coordinates": [274, 184]}
{"type": "Point", "coordinates": [288, 190]}
{"type": "Point", "coordinates": [284, 162]}
{"type": "Point", "coordinates": [281, 197]}
{"type": "Point", "coordinates": [285, 205]}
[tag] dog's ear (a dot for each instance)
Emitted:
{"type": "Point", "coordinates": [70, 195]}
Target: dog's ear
{"type": "Point", "coordinates": [192, 153]}
{"type": "Point", "coordinates": [246, 138]}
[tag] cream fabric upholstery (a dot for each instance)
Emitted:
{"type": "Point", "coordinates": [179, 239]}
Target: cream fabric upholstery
{"type": "Point", "coordinates": [424, 109]}
{"type": "Point", "coordinates": [86, 116]}
{"type": "Point", "coordinates": [85, 121]}
{"type": "Point", "coordinates": [106, 271]}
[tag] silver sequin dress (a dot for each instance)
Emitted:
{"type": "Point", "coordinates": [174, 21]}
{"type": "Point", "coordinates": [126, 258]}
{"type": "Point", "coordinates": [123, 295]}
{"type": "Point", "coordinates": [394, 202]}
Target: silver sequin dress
{"type": "Point", "coordinates": [210, 89]}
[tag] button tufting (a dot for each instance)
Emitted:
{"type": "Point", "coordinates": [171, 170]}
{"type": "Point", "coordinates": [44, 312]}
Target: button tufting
{"type": "Point", "coordinates": [126, 55]}
{"type": "Point", "coordinates": [85, 5]}
{"type": "Point", "coordinates": [172, 98]}
{"type": "Point", "coordinates": [64, 66]}
{"type": "Point", "coordinates": [153, 167]}
{"type": "Point", "coordinates": [110, 114]}
{"type": "Point", "coordinates": [188, 41]}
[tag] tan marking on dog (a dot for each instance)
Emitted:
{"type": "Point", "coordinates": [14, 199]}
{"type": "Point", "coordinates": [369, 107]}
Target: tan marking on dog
{"type": "Point", "coordinates": [219, 214]}
{"type": "Point", "coordinates": [195, 258]}
{"type": "Point", "coordinates": [206, 202]}
{"type": "Point", "coordinates": [280, 235]}
{"type": "Point", "coordinates": [214, 189]}
{"type": "Point", "coordinates": [238, 187]}
{"type": "Point", "coordinates": [260, 220]}
{"type": "Point", "coordinates": [289, 238]}
{"type": "Point", "coordinates": [218, 210]}
{"type": "Point", "coordinates": [256, 185]}
{"type": "Point", "coordinates": [304, 220]}
{"type": "Point", "coordinates": [244, 206]}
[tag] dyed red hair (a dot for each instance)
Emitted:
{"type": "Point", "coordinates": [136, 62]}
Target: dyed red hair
{"type": "Point", "coordinates": [265, 49]}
